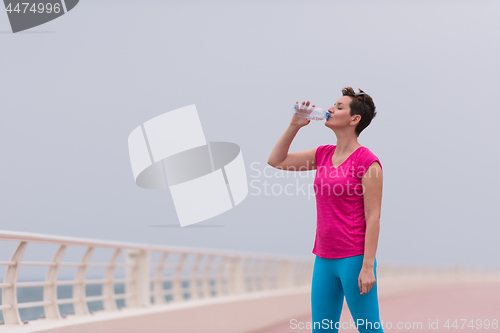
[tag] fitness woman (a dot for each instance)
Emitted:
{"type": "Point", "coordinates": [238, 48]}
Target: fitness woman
{"type": "Point", "coordinates": [348, 189]}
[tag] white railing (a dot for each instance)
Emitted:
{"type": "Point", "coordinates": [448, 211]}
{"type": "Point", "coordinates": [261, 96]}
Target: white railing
{"type": "Point", "coordinates": [210, 274]}
{"type": "Point", "coordinates": [231, 273]}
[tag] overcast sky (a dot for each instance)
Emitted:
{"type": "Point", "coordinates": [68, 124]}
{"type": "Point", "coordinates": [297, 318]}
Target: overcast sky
{"type": "Point", "coordinates": [73, 89]}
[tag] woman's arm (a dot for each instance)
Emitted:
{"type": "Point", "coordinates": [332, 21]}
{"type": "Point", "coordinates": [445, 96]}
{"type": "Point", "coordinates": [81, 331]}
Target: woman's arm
{"type": "Point", "coordinates": [372, 187]}
{"type": "Point", "coordinates": [280, 150]}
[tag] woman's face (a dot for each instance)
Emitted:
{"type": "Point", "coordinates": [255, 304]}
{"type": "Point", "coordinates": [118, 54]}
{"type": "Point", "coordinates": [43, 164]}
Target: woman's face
{"type": "Point", "coordinates": [339, 113]}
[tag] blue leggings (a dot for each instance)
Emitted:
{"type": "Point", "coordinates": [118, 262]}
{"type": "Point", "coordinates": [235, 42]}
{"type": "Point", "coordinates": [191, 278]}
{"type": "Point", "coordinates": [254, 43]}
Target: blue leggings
{"type": "Point", "coordinates": [332, 280]}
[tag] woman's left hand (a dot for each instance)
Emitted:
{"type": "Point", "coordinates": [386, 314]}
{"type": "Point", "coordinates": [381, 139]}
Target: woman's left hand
{"type": "Point", "coordinates": [366, 280]}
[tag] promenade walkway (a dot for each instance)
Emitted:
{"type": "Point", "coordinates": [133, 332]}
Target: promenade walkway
{"type": "Point", "coordinates": [478, 302]}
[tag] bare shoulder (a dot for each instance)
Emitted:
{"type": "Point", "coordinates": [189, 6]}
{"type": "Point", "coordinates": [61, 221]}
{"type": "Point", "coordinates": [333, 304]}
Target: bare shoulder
{"type": "Point", "coordinates": [374, 171]}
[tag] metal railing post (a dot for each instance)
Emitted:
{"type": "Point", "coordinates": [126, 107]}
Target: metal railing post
{"type": "Point", "coordinates": [236, 279]}
{"type": "Point", "coordinates": [220, 276]}
{"type": "Point", "coordinates": [206, 277]}
{"type": "Point", "coordinates": [301, 269]}
{"type": "Point", "coordinates": [247, 275]}
{"type": "Point", "coordinates": [254, 275]}
{"type": "Point", "coordinates": [159, 297]}
{"type": "Point", "coordinates": [50, 290]}
{"type": "Point", "coordinates": [177, 292]}
{"type": "Point", "coordinates": [193, 281]}
{"type": "Point", "coordinates": [285, 274]}
{"type": "Point", "coordinates": [79, 292]}
{"type": "Point", "coordinates": [108, 287]}
{"type": "Point", "coordinates": [138, 278]}
{"type": "Point", "coordinates": [9, 294]}
{"type": "Point", "coordinates": [266, 275]}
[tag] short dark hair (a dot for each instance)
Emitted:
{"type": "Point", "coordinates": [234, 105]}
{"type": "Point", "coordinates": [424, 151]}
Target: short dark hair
{"type": "Point", "coordinates": [356, 107]}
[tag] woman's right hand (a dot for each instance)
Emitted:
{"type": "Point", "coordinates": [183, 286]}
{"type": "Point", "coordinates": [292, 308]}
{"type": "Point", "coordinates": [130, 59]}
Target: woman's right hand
{"type": "Point", "coordinates": [299, 121]}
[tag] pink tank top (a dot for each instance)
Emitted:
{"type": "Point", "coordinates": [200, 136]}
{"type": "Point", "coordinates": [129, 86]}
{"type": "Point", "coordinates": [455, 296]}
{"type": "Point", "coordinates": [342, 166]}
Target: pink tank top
{"type": "Point", "coordinates": [341, 225]}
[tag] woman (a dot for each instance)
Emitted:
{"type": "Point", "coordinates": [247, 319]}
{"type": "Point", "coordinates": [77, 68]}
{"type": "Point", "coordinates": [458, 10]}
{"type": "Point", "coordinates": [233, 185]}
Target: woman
{"type": "Point", "coordinates": [348, 188]}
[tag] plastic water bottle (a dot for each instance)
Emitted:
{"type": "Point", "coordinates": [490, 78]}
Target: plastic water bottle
{"type": "Point", "coordinates": [314, 113]}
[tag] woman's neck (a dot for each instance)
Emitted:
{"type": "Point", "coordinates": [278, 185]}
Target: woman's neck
{"type": "Point", "coordinates": [346, 145]}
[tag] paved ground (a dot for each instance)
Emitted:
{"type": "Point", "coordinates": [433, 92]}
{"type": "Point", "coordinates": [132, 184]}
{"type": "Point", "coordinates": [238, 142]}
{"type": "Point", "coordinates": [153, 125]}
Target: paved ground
{"type": "Point", "coordinates": [476, 302]}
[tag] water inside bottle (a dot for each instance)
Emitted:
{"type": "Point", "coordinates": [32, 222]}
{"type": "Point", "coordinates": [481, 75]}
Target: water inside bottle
{"type": "Point", "coordinates": [316, 113]}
